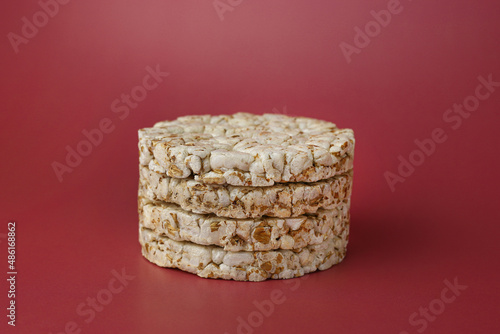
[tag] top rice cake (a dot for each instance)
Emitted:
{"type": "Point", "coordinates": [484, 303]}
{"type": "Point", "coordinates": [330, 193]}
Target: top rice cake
{"type": "Point", "coordinates": [247, 150]}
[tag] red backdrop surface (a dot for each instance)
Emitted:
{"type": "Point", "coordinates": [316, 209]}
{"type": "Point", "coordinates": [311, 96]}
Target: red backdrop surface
{"type": "Point", "coordinates": [429, 227]}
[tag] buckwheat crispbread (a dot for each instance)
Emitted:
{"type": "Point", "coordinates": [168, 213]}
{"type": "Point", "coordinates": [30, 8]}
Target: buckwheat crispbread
{"type": "Point", "coordinates": [247, 150]}
{"type": "Point", "coordinates": [215, 262]}
{"type": "Point", "coordinates": [259, 234]}
{"type": "Point", "coordinates": [280, 200]}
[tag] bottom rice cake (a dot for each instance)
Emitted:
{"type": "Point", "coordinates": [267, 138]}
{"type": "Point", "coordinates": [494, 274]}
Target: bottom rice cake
{"type": "Point", "coordinates": [257, 234]}
{"type": "Point", "coordinates": [215, 262]}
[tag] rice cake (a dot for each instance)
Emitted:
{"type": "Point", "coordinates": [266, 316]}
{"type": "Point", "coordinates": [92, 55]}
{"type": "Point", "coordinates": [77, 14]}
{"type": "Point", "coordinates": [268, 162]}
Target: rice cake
{"type": "Point", "coordinates": [247, 150]}
{"type": "Point", "coordinates": [280, 200]}
{"type": "Point", "coordinates": [215, 262]}
{"type": "Point", "coordinates": [259, 234]}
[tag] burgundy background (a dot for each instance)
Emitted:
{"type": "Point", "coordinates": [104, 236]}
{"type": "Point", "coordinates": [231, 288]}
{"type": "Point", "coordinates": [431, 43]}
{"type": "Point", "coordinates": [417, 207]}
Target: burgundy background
{"type": "Point", "coordinates": [441, 223]}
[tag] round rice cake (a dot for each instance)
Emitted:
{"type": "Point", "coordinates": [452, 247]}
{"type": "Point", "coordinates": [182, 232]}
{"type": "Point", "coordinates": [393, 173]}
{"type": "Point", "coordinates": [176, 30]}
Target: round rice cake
{"type": "Point", "coordinates": [247, 150]}
{"type": "Point", "coordinates": [258, 234]}
{"type": "Point", "coordinates": [281, 200]}
{"type": "Point", "coordinates": [215, 262]}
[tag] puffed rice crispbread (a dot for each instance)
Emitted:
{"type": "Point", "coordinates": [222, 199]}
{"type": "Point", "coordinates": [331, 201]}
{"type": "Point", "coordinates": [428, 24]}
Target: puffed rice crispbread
{"type": "Point", "coordinates": [215, 262]}
{"type": "Point", "coordinates": [281, 200]}
{"type": "Point", "coordinates": [258, 234]}
{"type": "Point", "coordinates": [245, 197]}
{"type": "Point", "coordinates": [247, 150]}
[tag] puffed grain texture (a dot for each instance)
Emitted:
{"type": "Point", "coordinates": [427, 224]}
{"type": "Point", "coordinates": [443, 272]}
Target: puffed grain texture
{"type": "Point", "coordinates": [214, 262]}
{"type": "Point", "coordinates": [258, 234]}
{"type": "Point", "coordinates": [247, 150]}
{"type": "Point", "coordinates": [280, 200]}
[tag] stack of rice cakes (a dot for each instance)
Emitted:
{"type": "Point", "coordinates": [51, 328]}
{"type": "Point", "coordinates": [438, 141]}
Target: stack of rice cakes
{"type": "Point", "coordinates": [245, 197]}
